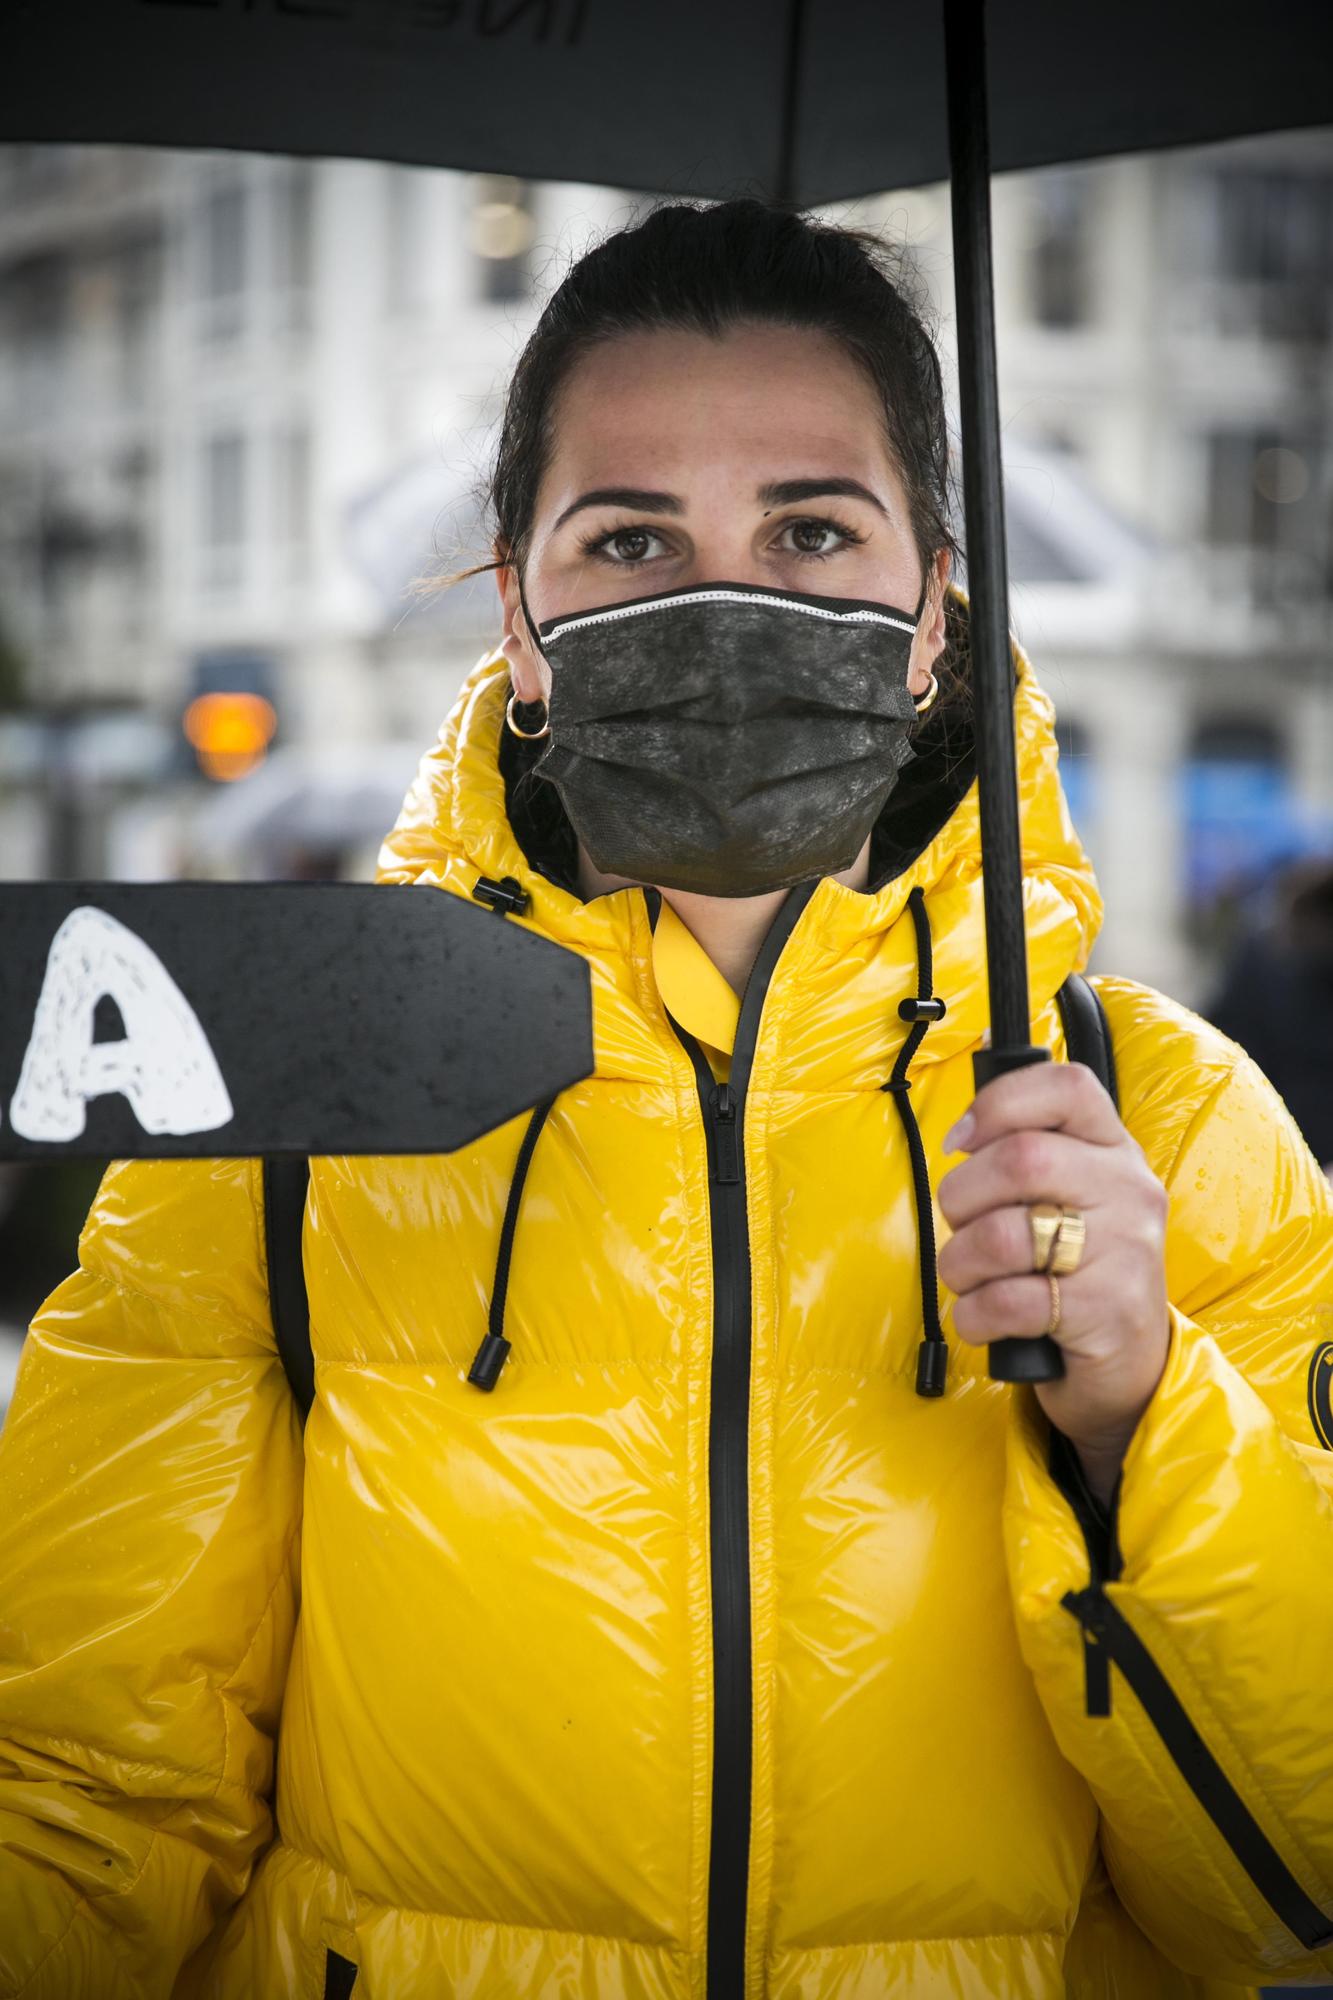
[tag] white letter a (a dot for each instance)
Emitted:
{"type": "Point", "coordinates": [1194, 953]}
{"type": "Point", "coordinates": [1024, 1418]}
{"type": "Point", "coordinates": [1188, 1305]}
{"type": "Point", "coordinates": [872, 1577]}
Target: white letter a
{"type": "Point", "coordinates": [164, 1065]}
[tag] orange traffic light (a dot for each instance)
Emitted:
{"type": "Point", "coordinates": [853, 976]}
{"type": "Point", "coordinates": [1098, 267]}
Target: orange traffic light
{"type": "Point", "coordinates": [230, 732]}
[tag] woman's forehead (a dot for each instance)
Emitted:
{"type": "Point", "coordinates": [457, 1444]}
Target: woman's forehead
{"type": "Point", "coordinates": [759, 403]}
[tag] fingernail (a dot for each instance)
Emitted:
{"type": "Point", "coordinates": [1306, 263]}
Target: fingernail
{"type": "Point", "coordinates": [960, 1138]}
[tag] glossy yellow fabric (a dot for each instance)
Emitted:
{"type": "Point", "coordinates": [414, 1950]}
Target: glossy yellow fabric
{"type": "Point", "coordinates": [490, 1726]}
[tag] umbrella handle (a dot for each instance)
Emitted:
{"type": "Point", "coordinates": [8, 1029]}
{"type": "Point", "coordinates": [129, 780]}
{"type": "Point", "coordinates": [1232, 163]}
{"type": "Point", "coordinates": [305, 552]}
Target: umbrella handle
{"type": "Point", "coordinates": [1037, 1359]}
{"type": "Point", "coordinates": [1024, 1358]}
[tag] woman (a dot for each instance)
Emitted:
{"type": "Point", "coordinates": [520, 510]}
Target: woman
{"type": "Point", "coordinates": [703, 1629]}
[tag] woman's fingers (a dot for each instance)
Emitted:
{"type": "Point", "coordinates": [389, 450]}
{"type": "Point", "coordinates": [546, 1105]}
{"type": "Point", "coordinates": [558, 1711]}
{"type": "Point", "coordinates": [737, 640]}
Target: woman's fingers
{"type": "Point", "coordinates": [1063, 1097]}
{"type": "Point", "coordinates": [997, 1245]}
{"type": "Point", "coordinates": [1028, 1166]}
{"type": "Point", "coordinates": [1050, 1133]}
{"type": "Point", "coordinates": [1009, 1306]}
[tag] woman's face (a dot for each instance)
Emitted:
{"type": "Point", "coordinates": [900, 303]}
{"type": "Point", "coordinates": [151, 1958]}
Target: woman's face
{"type": "Point", "coordinates": [756, 457]}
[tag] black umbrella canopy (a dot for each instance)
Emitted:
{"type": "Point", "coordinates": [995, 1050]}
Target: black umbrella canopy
{"type": "Point", "coordinates": [807, 100]}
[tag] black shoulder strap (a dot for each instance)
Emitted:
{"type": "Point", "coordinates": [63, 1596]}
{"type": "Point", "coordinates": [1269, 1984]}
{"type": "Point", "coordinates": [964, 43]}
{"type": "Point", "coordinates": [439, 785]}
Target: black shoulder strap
{"type": "Point", "coordinates": [286, 1181]}
{"type": "Point", "coordinates": [1087, 1031]}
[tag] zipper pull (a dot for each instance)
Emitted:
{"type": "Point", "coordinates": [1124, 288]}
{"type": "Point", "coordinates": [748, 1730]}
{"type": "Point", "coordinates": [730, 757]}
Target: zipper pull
{"type": "Point", "coordinates": [726, 1139]}
{"type": "Point", "coordinates": [1088, 1607]}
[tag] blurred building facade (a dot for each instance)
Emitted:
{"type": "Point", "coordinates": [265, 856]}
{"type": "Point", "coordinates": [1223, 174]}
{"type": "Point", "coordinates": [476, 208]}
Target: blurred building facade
{"type": "Point", "coordinates": [1165, 323]}
{"type": "Point", "coordinates": [225, 381]}
{"type": "Point", "coordinates": [245, 400]}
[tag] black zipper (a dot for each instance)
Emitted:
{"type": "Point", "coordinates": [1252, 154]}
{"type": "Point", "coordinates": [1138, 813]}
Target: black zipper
{"type": "Point", "coordinates": [723, 1106]}
{"type": "Point", "coordinates": [339, 1976]}
{"type": "Point", "coordinates": [1108, 1637]}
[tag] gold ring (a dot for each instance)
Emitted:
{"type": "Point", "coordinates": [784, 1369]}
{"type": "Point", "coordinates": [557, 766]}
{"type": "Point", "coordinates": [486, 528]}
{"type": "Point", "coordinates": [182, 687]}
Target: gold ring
{"type": "Point", "coordinates": [1053, 1325]}
{"type": "Point", "coordinates": [1067, 1251]}
{"type": "Point", "coordinates": [1044, 1218]}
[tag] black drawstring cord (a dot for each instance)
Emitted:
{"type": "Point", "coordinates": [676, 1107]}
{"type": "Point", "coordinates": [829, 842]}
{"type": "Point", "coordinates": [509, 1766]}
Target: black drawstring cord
{"type": "Point", "coordinates": [932, 1358]}
{"type": "Point", "coordinates": [933, 1354]}
{"type": "Point", "coordinates": [505, 897]}
{"type": "Point", "coordinates": [494, 1349]}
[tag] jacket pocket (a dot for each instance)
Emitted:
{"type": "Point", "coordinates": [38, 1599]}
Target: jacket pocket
{"type": "Point", "coordinates": [339, 1975]}
{"type": "Point", "coordinates": [1110, 1639]}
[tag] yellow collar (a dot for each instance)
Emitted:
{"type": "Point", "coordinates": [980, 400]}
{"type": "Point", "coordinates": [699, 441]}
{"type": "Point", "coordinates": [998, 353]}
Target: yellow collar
{"type": "Point", "coordinates": [693, 990]}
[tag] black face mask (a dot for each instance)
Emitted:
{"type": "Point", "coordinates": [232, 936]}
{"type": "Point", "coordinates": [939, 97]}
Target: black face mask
{"type": "Point", "coordinates": [727, 739]}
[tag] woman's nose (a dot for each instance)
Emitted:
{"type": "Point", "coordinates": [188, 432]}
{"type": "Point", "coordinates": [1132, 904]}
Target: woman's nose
{"type": "Point", "coordinates": [722, 558]}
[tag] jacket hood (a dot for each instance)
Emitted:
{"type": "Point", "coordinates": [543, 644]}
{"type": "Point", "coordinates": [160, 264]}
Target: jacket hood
{"type": "Point", "coordinates": [853, 953]}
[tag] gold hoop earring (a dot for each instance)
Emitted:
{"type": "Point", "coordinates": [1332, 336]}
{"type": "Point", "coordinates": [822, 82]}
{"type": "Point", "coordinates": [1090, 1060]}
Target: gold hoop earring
{"type": "Point", "coordinates": [527, 735]}
{"type": "Point", "coordinates": [921, 702]}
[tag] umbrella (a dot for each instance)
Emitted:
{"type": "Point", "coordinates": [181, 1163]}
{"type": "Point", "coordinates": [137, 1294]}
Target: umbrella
{"type": "Point", "coordinates": [810, 100]}
{"type": "Point", "coordinates": [805, 99]}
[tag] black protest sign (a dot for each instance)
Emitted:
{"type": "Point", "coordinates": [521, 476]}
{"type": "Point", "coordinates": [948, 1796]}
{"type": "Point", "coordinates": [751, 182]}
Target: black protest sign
{"type": "Point", "coordinates": [196, 1019]}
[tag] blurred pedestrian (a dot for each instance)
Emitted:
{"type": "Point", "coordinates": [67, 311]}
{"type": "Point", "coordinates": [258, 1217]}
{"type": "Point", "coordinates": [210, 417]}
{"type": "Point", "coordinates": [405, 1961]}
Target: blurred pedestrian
{"type": "Point", "coordinates": [1276, 998]}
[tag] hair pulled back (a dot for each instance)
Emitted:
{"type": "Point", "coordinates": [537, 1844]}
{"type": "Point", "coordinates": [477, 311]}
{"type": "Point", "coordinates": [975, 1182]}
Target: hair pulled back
{"type": "Point", "coordinates": [705, 270]}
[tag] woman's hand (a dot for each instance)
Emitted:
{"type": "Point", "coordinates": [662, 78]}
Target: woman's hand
{"type": "Point", "coordinates": [1051, 1133]}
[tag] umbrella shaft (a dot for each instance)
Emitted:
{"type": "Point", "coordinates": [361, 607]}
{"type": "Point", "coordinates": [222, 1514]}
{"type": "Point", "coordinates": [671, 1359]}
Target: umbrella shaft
{"type": "Point", "coordinates": [983, 495]}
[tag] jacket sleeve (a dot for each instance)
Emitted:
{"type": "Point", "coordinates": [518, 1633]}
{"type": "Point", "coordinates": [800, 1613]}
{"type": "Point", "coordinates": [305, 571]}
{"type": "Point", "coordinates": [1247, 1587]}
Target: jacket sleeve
{"type": "Point", "coordinates": [150, 1496]}
{"type": "Point", "coordinates": [1190, 1680]}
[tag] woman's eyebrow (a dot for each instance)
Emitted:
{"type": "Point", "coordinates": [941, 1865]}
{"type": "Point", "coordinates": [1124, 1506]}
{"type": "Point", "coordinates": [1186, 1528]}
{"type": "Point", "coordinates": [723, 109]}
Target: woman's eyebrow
{"type": "Point", "coordinates": [642, 498]}
{"type": "Point", "coordinates": [782, 492]}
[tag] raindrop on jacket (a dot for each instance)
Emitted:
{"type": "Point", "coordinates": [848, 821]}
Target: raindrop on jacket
{"type": "Point", "coordinates": [701, 1658]}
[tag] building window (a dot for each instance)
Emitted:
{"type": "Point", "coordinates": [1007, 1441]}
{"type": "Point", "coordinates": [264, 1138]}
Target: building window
{"type": "Point", "coordinates": [503, 229]}
{"type": "Point", "coordinates": [291, 501]}
{"type": "Point", "coordinates": [404, 273]}
{"type": "Point", "coordinates": [223, 511]}
{"type": "Point", "coordinates": [44, 169]}
{"type": "Point", "coordinates": [1264, 498]}
{"type": "Point", "coordinates": [40, 318]}
{"type": "Point", "coordinates": [1274, 237]}
{"type": "Point", "coordinates": [1059, 268]}
{"type": "Point", "coordinates": [1234, 520]}
{"type": "Point", "coordinates": [223, 261]}
{"type": "Point", "coordinates": [293, 262]}
{"type": "Point", "coordinates": [139, 301]}
{"type": "Point", "coordinates": [135, 470]}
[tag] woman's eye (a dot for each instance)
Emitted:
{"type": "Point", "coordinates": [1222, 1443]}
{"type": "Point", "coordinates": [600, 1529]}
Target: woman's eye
{"type": "Point", "coordinates": [818, 538]}
{"type": "Point", "coordinates": [626, 545]}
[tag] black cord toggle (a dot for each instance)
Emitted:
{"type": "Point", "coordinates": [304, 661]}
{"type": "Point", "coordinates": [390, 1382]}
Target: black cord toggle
{"type": "Point", "coordinates": [490, 1359]}
{"type": "Point", "coordinates": [507, 897]}
{"type": "Point", "coordinates": [932, 1008]}
{"type": "Point", "coordinates": [932, 1367]}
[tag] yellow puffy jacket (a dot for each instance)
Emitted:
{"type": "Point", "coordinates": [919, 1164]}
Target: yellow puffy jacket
{"type": "Point", "coordinates": [701, 1658]}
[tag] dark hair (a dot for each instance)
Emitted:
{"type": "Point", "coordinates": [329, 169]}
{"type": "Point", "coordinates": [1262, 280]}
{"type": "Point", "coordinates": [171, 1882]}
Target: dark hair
{"type": "Point", "coordinates": [708, 269]}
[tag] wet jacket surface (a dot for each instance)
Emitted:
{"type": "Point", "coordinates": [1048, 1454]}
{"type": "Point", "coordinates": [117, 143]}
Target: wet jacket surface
{"type": "Point", "coordinates": [701, 1643]}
